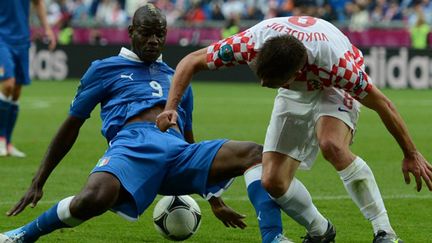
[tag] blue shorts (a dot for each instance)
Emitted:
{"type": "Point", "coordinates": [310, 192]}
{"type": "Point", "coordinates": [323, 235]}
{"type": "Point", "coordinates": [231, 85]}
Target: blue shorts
{"type": "Point", "coordinates": [14, 63]}
{"type": "Point", "coordinates": [149, 162]}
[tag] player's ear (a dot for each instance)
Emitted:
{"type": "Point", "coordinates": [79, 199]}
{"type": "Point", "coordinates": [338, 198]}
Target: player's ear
{"type": "Point", "coordinates": [130, 30]}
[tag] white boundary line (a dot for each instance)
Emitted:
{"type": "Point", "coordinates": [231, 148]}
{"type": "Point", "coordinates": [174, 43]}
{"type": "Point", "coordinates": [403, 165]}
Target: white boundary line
{"type": "Point", "coordinates": [244, 198]}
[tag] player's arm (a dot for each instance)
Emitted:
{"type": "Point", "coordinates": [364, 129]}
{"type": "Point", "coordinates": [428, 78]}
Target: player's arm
{"type": "Point", "coordinates": [186, 68]}
{"type": "Point", "coordinates": [413, 161]}
{"type": "Point", "coordinates": [41, 13]}
{"type": "Point", "coordinates": [227, 215]}
{"type": "Point", "coordinates": [58, 148]}
{"type": "Point", "coordinates": [189, 137]}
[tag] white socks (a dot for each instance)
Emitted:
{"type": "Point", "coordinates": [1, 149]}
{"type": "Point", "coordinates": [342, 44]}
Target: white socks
{"type": "Point", "coordinates": [297, 203]}
{"type": "Point", "coordinates": [360, 184]}
{"type": "Point", "coordinates": [64, 214]}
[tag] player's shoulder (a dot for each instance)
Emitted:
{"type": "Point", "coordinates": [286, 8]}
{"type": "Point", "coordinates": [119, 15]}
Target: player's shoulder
{"type": "Point", "coordinates": [105, 63]}
{"type": "Point", "coordinates": [164, 67]}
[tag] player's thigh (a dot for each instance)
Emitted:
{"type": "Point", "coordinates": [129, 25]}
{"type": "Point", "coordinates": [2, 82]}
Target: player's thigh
{"type": "Point", "coordinates": [22, 66]}
{"type": "Point", "coordinates": [100, 193]}
{"type": "Point", "coordinates": [337, 117]}
{"type": "Point", "coordinates": [334, 130]}
{"type": "Point", "coordinates": [7, 70]}
{"type": "Point", "coordinates": [233, 158]}
{"type": "Point", "coordinates": [291, 127]}
{"type": "Point", "coordinates": [278, 169]}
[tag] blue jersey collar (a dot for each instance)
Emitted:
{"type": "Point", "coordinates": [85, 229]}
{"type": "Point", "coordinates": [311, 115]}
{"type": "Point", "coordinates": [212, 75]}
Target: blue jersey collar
{"type": "Point", "coordinates": [130, 55]}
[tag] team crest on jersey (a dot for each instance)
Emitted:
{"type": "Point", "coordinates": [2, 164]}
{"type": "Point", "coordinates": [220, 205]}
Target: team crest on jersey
{"type": "Point", "coordinates": [2, 71]}
{"type": "Point", "coordinates": [361, 81]}
{"type": "Point", "coordinates": [226, 53]}
{"type": "Point", "coordinates": [103, 161]}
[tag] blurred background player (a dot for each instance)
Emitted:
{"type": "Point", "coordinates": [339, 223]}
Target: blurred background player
{"type": "Point", "coordinates": [321, 80]}
{"type": "Point", "coordinates": [141, 161]}
{"type": "Point", "coordinates": [14, 63]}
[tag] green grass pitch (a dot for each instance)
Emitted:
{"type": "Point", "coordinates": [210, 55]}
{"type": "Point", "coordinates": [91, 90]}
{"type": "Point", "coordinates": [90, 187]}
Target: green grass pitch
{"type": "Point", "coordinates": [222, 110]}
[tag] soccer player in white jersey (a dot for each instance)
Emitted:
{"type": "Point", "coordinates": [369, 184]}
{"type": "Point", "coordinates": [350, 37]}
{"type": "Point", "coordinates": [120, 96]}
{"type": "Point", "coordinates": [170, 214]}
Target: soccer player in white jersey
{"type": "Point", "coordinates": [321, 81]}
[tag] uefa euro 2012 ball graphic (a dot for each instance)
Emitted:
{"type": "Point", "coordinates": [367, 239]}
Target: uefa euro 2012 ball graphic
{"type": "Point", "coordinates": [177, 217]}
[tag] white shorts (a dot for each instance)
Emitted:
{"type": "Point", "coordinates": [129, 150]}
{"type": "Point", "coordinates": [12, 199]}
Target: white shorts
{"type": "Point", "coordinates": [292, 125]}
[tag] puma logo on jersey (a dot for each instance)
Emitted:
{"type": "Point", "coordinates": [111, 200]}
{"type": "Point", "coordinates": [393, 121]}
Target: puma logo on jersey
{"type": "Point", "coordinates": [126, 76]}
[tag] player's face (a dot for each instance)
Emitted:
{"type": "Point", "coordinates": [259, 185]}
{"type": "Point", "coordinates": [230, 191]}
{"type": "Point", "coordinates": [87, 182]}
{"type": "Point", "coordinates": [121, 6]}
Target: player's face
{"type": "Point", "coordinates": [148, 39]}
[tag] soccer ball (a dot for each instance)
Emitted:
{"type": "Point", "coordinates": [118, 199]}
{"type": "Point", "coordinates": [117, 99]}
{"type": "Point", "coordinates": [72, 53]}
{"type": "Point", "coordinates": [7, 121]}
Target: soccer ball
{"type": "Point", "coordinates": [177, 217]}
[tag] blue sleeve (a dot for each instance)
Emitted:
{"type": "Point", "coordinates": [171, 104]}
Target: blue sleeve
{"type": "Point", "coordinates": [187, 105]}
{"type": "Point", "coordinates": [89, 93]}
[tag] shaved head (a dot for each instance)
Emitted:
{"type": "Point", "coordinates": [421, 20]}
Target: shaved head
{"type": "Point", "coordinates": [148, 14]}
{"type": "Point", "coordinates": [148, 32]}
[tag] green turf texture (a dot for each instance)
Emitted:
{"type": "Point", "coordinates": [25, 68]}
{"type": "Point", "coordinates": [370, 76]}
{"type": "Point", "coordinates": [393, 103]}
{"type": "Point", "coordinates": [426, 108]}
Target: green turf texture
{"type": "Point", "coordinates": [222, 110]}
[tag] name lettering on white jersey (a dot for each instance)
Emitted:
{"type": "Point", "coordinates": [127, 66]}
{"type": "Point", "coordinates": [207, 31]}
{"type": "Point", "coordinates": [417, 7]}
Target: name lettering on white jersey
{"type": "Point", "coordinates": [126, 76]}
{"type": "Point", "coordinates": [300, 35]}
{"type": "Point", "coordinates": [332, 60]}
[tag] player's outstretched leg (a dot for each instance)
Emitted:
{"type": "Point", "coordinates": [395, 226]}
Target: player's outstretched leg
{"type": "Point", "coordinates": [290, 194]}
{"type": "Point", "coordinates": [334, 138]}
{"type": "Point", "coordinates": [101, 193]}
{"type": "Point", "coordinates": [360, 184]}
{"type": "Point", "coordinates": [56, 217]}
{"type": "Point", "coordinates": [267, 211]}
{"type": "Point", "coordinates": [232, 160]}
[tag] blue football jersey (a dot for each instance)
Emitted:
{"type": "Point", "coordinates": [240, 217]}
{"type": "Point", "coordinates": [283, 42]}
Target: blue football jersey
{"type": "Point", "coordinates": [124, 86]}
{"type": "Point", "coordinates": [14, 22]}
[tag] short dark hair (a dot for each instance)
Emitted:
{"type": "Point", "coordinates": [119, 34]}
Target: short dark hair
{"type": "Point", "coordinates": [280, 58]}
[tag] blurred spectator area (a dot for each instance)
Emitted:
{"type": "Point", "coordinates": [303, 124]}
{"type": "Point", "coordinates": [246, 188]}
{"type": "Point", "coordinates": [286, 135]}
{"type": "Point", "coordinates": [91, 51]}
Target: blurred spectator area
{"type": "Point", "coordinates": [200, 22]}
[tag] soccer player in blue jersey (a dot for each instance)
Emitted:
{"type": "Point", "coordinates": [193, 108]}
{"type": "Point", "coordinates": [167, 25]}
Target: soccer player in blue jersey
{"type": "Point", "coordinates": [14, 63]}
{"type": "Point", "coordinates": [141, 161]}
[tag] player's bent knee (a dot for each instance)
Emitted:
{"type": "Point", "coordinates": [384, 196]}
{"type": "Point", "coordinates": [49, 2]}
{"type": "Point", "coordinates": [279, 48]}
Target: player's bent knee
{"type": "Point", "coordinates": [233, 159]}
{"type": "Point", "coordinates": [330, 149]}
{"type": "Point", "coordinates": [7, 86]}
{"type": "Point", "coordinates": [253, 155]}
{"type": "Point", "coordinates": [276, 187]}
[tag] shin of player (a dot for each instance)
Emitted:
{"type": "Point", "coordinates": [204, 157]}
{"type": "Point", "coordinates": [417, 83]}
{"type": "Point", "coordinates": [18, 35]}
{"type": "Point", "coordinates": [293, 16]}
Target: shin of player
{"type": "Point", "coordinates": [267, 211]}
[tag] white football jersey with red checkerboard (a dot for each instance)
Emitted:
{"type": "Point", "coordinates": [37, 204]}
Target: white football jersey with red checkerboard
{"type": "Point", "coordinates": [332, 59]}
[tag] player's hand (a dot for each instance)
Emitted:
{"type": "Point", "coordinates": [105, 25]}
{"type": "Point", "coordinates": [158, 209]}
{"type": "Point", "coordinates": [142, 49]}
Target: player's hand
{"type": "Point", "coordinates": [166, 119]}
{"type": "Point", "coordinates": [52, 42]}
{"type": "Point", "coordinates": [417, 165]}
{"type": "Point", "coordinates": [227, 215]}
{"type": "Point", "coordinates": [32, 196]}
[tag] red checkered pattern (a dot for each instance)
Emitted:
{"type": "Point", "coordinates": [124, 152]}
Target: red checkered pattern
{"type": "Point", "coordinates": [243, 50]}
{"type": "Point", "coordinates": [350, 77]}
{"type": "Point", "coordinates": [358, 57]}
{"type": "Point", "coordinates": [347, 75]}
{"type": "Point", "coordinates": [314, 77]}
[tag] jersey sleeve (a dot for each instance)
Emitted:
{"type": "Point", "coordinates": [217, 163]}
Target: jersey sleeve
{"type": "Point", "coordinates": [234, 50]}
{"type": "Point", "coordinates": [88, 95]}
{"type": "Point", "coordinates": [348, 74]}
{"type": "Point", "coordinates": [187, 105]}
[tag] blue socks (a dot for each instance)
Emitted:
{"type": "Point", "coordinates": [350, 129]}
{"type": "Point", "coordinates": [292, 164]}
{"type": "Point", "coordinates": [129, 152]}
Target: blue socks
{"type": "Point", "coordinates": [8, 117]}
{"type": "Point", "coordinates": [44, 224]}
{"type": "Point", "coordinates": [56, 217]}
{"type": "Point", "coordinates": [4, 117]}
{"type": "Point", "coordinates": [267, 211]}
{"type": "Point", "coordinates": [13, 115]}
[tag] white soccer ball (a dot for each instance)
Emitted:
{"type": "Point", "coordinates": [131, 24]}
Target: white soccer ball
{"type": "Point", "coordinates": [177, 217]}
